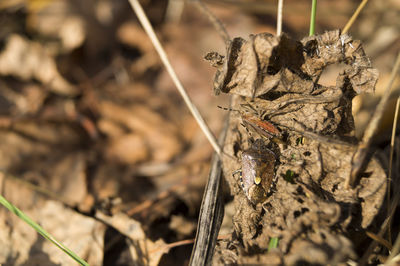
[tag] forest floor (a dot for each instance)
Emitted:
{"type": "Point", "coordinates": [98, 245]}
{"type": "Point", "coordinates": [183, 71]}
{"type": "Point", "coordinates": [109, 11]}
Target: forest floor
{"type": "Point", "coordinates": [97, 146]}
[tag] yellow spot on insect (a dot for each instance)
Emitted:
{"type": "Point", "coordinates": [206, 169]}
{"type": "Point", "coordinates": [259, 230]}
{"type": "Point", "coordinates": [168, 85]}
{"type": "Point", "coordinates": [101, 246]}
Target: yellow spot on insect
{"type": "Point", "coordinates": [257, 180]}
{"type": "Point", "coordinates": [300, 141]}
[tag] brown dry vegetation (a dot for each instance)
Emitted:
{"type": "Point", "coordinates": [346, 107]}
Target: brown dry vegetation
{"type": "Point", "coordinates": [97, 146]}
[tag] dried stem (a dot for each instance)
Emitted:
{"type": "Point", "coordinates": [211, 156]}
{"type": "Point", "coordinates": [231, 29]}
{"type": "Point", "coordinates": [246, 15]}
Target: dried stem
{"type": "Point", "coordinates": [174, 10]}
{"type": "Point", "coordinates": [362, 150]}
{"type": "Point", "coordinates": [211, 211]}
{"type": "Point", "coordinates": [160, 50]}
{"type": "Point", "coordinates": [279, 18]}
{"type": "Point", "coordinates": [167, 247]}
{"type": "Point", "coordinates": [395, 250]}
{"type": "Point", "coordinates": [396, 115]}
{"type": "Point", "coordinates": [213, 19]}
{"type": "Point", "coordinates": [384, 227]}
{"type": "Point", "coordinates": [354, 17]}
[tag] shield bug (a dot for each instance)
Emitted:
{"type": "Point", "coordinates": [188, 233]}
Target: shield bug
{"type": "Point", "coordinates": [257, 173]}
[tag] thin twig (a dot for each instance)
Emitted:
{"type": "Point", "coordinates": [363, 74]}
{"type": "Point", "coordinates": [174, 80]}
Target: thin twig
{"type": "Point", "coordinates": [213, 19]}
{"type": "Point", "coordinates": [354, 17]}
{"type": "Point", "coordinates": [279, 18]}
{"type": "Point", "coordinates": [396, 115]}
{"type": "Point", "coordinates": [160, 50]}
{"type": "Point", "coordinates": [167, 247]}
{"type": "Point", "coordinates": [362, 150]}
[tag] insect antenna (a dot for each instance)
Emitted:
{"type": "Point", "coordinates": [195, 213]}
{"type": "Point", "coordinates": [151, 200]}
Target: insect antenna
{"type": "Point", "coordinates": [227, 109]}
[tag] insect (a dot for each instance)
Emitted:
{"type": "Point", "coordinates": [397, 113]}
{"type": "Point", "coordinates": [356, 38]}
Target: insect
{"type": "Point", "coordinates": [257, 174]}
{"type": "Point", "coordinates": [255, 124]}
{"type": "Point", "coordinates": [262, 127]}
{"type": "Point", "coordinates": [258, 162]}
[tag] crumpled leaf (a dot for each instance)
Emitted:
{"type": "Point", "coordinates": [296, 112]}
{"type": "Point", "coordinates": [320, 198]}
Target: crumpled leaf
{"type": "Point", "coordinates": [333, 48]}
{"type": "Point", "coordinates": [277, 64]}
{"type": "Point", "coordinates": [143, 250]}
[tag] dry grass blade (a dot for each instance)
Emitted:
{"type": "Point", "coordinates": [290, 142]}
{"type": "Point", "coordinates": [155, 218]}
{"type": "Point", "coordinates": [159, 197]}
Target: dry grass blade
{"type": "Point", "coordinates": [384, 227]}
{"type": "Point", "coordinates": [380, 240]}
{"type": "Point", "coordinates": [279, 19]}
{"type": "Point", "coordinates": [211, 212]}
{"type": "Point", "coordinates": [354, 17]}
{"type": "Point", "coordinates": [210, 218]}
{"type": "Point", "coordinates": [395, 250]}
{"type": "Point", "coordinates": [214, 20]}
{"type": "Point", "coordinates": [361, 153]}
{"type": "Point", "coordinates": [160, 50]}
{"type": "Point", "coordinates": [169, 246]}
{"type": "Point", "coordinates": [396, 115]}
{"type": "Point", "coordinates": [174, 10]}
{"type": "Point", "coordinates": [393, 262]}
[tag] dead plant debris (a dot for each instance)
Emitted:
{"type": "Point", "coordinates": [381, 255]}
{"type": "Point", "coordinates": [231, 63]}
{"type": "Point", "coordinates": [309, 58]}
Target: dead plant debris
{"type": "Point", "coordinates": [97, 147]}
{"type": "Point", "coordinates": [275, 79]}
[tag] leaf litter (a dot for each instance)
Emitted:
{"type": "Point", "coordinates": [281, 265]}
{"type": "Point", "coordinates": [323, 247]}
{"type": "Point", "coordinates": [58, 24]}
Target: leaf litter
{"type": "Point", "coordinates": [88, 115]}
{"type": "Point", "coordinates": [93, 127]}
{"type": "Point", "coordinates": [308, 209]}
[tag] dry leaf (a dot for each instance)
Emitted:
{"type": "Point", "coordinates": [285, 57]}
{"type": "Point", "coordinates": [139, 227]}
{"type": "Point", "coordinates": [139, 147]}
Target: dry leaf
{"type": "Point", "coordinates": [276, 78]}
{"type": "Point", "coordinates": [128, 149]}
{"type": "Point", "coordinates": [143, 250]}
{"type": "Point", "coordinates": [29, 60]}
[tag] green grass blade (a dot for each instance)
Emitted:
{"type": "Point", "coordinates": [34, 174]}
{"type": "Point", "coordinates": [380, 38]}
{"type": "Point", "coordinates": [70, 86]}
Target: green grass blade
{"type": "Point", "coordinates": [41, 231]}
{"type": "Point", "coordinates": [312, 19]}
{"type": "Point", "coordinates": [273, 243]}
